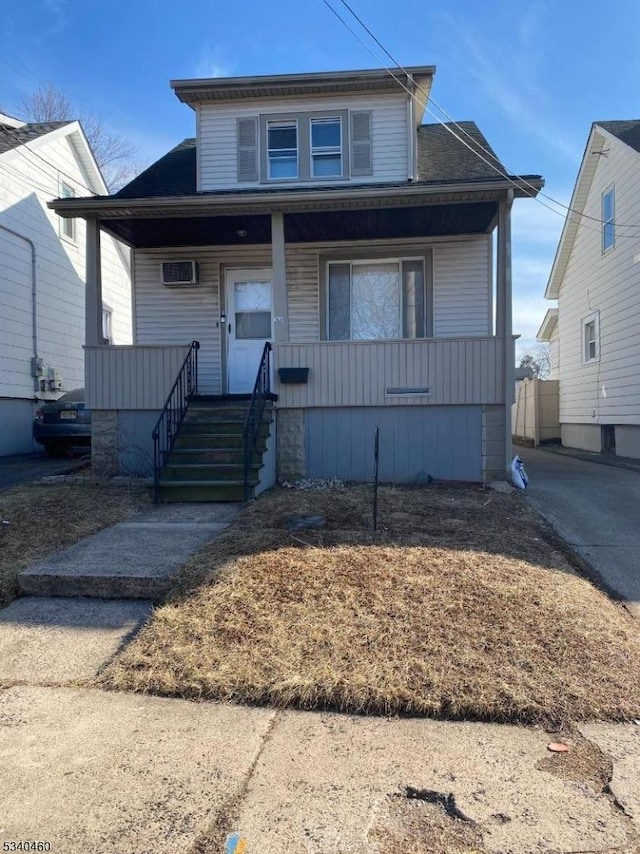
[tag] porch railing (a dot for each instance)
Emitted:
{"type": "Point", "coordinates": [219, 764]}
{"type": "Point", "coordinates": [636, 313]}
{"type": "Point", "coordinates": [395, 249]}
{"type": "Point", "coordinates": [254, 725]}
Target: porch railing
{"type": "Point", "coordinates": [172, 415]}
{"type": "Point", "coordinates": [259, 397]}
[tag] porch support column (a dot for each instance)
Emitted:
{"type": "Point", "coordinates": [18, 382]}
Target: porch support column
{"type": "Point", "coordinates": [279, 283]}
{"type": "Point", "coordinates": [504, 319]}
{"type": "Point", "coordinates": [93, 289]}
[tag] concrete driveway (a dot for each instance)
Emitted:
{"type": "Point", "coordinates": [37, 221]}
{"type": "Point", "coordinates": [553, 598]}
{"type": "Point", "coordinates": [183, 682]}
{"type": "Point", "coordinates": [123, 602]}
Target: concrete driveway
{"type": "Point", "coordinates": [596, 509]}
{"type": "Point", "coordinates": [24, 467]}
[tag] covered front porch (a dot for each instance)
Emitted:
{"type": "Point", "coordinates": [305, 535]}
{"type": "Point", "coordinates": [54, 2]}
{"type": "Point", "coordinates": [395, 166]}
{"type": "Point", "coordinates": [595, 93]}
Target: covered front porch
{"type": "Point", "coordinates": [389, 308]}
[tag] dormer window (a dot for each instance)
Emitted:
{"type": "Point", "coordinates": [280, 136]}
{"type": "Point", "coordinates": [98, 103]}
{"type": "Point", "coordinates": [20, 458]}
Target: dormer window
{"type": "Point", "coordinates": [313, 146]}
{"type": "Point", "coordinates": [326, 147]}
{"type": "Point", "coordinates": [282, 149]}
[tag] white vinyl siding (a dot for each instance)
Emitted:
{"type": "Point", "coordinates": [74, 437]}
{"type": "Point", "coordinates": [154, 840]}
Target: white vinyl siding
{"type": "Point", "coordinates": [180, 315]}
{"type": "Point", "coordinates": [26, 185]}
{"type": "Point", "coordinates": [462, 288]}
{"type": "Point", "coordinates": [218, 143]}
{"type": "Point", "coordinates": [605, 391]}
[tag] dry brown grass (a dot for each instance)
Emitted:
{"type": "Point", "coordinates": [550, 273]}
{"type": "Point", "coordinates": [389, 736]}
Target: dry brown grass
{"type": "Point", "coordinates": [46, 518]}
{"type": "Point", "coordinates": [460, 608]}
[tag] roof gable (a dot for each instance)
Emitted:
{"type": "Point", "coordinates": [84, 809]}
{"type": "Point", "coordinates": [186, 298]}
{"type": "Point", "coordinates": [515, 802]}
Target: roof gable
{"type": "Point", "coordinates": [37, 135]}
{"type": "Point", "coordinates": [588, 167]}
{"type": "Point", "coordinates": [548, 325]}
{"type": "Point", "coordinates": [13, 137]}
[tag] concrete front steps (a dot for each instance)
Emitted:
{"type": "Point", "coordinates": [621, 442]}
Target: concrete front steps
{"type": "Point", "coordinates": [207, 460]}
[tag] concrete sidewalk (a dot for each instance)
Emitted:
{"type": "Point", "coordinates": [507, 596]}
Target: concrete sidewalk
{"type": "Point", "coordinates": [596, 510]}
{"type": "Point", "coordinates": [106, 773]}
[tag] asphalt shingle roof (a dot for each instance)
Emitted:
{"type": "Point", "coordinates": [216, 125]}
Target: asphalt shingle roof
{"type": "Point", "coordinates": [441, 158]}
{"type": "Point", "coordinates": [627, 131]}
{"type": "Point", "coordinates": [11, 137]}
{"type": "Point", "coordinates": [444, 156]}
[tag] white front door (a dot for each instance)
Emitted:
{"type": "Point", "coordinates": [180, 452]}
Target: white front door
{"type": "Point", "coordinates": [249, 325]}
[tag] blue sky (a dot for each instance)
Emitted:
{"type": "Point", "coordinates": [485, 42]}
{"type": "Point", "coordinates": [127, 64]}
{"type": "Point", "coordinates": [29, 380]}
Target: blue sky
{"type": "Point", "coordinates": [533, 75]}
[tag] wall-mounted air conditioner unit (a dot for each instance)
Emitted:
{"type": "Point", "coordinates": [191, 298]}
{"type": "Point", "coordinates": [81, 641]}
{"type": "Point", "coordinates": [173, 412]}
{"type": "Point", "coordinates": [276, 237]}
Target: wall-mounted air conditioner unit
{"type": "Point", "coordinates": [179, 274]}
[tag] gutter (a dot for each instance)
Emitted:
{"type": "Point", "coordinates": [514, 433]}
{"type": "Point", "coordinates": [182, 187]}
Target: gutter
{"type": "Point", "coordinates": [34, 294]}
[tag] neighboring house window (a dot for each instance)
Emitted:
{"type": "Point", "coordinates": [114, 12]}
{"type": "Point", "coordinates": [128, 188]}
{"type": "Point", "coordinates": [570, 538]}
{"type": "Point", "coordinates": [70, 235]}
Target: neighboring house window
{"type": "Point", "coordinates": [370, 300]}
{"type": "Point", "coordinates": [608, 217]}
{"type": "Point", "coordinates": [67, 226]}
{"type": "Point", "coordinates": [107, 325]}
{"type": "Point", "coordinates": [282, 141]}
{"type": "Point", "coordinates": [310, 146]}
{"type": "Point", "coordinates": [591, 338]}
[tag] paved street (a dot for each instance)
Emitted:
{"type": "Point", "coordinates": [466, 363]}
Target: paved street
{"type": "Point", "coordinates": [596, 509]}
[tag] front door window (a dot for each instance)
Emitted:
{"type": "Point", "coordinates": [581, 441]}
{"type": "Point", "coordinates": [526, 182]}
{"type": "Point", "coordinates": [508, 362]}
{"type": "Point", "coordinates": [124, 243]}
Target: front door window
{"type": "Point", "coordinates": [249, 306]}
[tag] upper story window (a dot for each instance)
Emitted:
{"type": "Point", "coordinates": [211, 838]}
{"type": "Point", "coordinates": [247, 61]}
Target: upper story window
{"type": "Point", "coordinates": [305, 146]}
{"type": "Point", "coordinates": [608, 220]}
{"type": "Point", "coordinates": [282, 145]}
{"type": "Point", "coordinates": [326, 147]}
{"type": "Point", "coordinates": [67, 226]}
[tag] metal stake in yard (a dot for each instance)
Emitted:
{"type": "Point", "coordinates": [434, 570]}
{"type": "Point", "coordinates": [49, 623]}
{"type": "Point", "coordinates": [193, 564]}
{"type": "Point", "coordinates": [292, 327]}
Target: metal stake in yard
{"type": "Point", "coordinates": [376, 448]}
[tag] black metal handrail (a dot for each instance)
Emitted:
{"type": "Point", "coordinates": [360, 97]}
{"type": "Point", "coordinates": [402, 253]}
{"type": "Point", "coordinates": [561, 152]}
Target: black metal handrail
{"type": "Point", "coordinates": [259, 396]}
{"type": "Point", "coordinates": [167, 426]}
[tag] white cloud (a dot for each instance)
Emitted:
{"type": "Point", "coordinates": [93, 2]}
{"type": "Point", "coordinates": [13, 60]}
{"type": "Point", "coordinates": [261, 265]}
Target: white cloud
{"type": "Point", "coordinates": [211, 63]}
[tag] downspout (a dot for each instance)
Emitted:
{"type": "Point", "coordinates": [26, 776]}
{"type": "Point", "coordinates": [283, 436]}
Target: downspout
{"type": "Point", "coordinates": [34, 295]}
{"type": "Point", "coordinates": [411, 132]}
{"type": "Point", "coordinates": [509, 353]}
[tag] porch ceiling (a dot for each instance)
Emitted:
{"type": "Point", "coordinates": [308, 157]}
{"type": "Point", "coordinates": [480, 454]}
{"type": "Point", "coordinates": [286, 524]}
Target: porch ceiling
{"type": "Point", "coordinates": [308, 227]}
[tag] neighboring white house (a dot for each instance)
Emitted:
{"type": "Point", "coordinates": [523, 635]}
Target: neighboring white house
{"type": "Point", "coordinates": [596, 280]}
{"type": "Point", "coordinates": [549, 334]}
{"type": "Point", "coordinates": [313, 217]}
{"type": "Point", "coordinates": [43, 270]}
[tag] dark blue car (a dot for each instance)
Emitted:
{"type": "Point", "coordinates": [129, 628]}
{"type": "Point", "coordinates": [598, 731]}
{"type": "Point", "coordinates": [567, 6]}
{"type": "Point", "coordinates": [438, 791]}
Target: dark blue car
{"type": "Point", "coordinates": [63, 425]}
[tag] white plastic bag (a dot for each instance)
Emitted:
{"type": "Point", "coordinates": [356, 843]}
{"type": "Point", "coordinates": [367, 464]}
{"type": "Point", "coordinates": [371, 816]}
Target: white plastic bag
{"type": "Point", "coordinates": [518, 473]}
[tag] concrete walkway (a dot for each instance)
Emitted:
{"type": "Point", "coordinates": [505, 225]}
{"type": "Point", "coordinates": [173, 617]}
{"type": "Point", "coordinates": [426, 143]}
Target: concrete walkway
{"type": "Point", "coordinates": [56, 633]}
{"type": "Point", "coordinates": [135, 559]}
{"type": "Point", "coordinates": [107, 773]}
{"type": "Point", "coordinates": [596, 509]}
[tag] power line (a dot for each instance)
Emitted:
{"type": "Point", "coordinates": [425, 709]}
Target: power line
{"type": "Point", "coordinates": [429, 99]}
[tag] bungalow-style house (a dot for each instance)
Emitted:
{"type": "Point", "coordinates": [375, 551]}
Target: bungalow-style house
{"type": "Point", "coordinates": [43, 273]}
{"type": "Point", "coordinates": [595, 279]}
{"type": "Point", "coordinates": [332, 256]}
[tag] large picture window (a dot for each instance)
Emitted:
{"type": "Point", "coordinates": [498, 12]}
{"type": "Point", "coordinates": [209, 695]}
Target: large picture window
{"type": "Point", "coordinates": [375, 300]}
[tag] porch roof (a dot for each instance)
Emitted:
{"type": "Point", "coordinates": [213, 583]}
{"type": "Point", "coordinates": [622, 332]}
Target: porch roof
{"type": "Point", "coordinates": [305, 227]}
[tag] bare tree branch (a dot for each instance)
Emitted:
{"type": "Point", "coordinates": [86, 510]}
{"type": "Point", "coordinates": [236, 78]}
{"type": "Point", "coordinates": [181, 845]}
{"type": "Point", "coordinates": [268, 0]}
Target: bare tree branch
{"type": "Point", "coordinates": [539, 360]}
{"type": "Point", "coordinates": [115, 155]}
